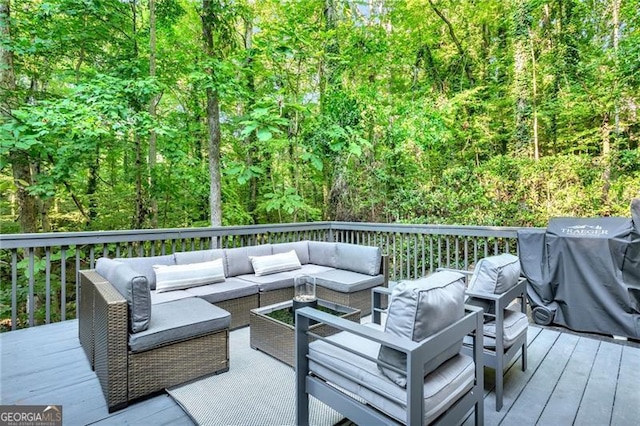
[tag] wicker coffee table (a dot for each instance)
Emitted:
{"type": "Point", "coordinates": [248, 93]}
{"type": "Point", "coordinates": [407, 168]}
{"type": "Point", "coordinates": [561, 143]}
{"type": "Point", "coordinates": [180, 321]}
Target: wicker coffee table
{"type": "Point", "coordinates": [276, 338]}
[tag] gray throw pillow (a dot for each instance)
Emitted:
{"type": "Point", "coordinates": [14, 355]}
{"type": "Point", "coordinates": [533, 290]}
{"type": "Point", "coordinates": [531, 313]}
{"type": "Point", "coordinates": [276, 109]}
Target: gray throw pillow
{"type": "Point", "coordinates": [133, 286]}
{"type": "Point", "coordinates": [417, 310]}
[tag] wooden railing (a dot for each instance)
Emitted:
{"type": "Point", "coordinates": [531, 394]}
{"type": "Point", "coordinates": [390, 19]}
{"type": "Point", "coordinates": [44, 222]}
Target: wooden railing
{"type": "Point", "coordinates": [39, 272]}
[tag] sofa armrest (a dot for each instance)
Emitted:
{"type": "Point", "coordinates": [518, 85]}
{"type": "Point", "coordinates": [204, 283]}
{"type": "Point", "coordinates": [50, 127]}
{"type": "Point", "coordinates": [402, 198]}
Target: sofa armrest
{"type": "Point", "coordinates": [111, 333]}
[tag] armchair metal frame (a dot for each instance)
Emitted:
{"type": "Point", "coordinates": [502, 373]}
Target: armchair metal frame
{"type": "Point", "coordinates": [417, 353]}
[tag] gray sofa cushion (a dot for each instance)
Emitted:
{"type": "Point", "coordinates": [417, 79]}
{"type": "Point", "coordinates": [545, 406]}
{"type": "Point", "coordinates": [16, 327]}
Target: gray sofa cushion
{"type": "Point", "coordinates": [347, 281]}
{"type": "Point", "coordinates": [238, 262]}
{"type": "Point", "coordinates": [168, 296]}
{"type": "Point", "coordinates": [232, 288]}
{"type": "Point", "coordinates": [441, 389]}
{"type": "Point", "coordinates": [321, 253]}
{"type": "Point", "coordinates": [144, 265]}
{"type": "Point", "coordinates": [178, 321]}
{"type": "Point", "coordinates": [271, 282]}
{"type": "Point", "coordinates": [418, 309]}
{"type": "Point", "coordinates": [357, 258]}
{"type": "Point", "coordinates": [301, 248]}
{"type": "Point", "coordinates": [188, 257]}
{"type": "Point", "coordinates": [133, 286]}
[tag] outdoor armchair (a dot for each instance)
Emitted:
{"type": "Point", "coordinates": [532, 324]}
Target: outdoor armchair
{"type": "Point", "coordinates": [494, 285]}
{"type": "Point", "coordinates": [434, 383]}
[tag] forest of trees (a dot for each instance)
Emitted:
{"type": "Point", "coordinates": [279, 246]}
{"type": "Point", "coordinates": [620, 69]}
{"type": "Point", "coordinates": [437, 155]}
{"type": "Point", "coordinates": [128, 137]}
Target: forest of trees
{"type": "Point", "coordinates": [126, 114]}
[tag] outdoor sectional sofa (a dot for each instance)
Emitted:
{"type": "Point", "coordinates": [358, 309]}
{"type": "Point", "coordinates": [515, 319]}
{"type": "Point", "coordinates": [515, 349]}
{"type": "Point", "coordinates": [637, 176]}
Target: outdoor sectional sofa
{"type": "Point", "coordinates": [149, 323]}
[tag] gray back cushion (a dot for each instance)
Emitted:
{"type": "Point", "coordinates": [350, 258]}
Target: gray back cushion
{"type": "Point", "coordinates": [321, 253]}
{"type": "Point", "coordinates": [144, 265]}
{"type": "Point", "coordinates": [300, 247]}
{"type": "Point", "coordinates": [199, 256]}
{"type": "Point", "coordinates": [238, 262]}
{"type": "Point", "coordinates": [495, 274]}
{"type": "Point", "coordinates": [419, 309]}
{"type": "Point", "coordinates": [357, 258]}
{"type": "Point", "coordinates": [133, 286]}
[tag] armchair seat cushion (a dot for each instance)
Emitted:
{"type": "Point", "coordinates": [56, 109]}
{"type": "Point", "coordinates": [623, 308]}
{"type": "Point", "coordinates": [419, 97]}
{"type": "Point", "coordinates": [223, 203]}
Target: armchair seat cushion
{"type": "Point", "coordinates": [347, 281]}
{"type": "Point", "coordinates": [441, 388]}
{"type": "Point", "coordinates": [178, 321]}
{"type": "Point", "coordinates": [515, 323]}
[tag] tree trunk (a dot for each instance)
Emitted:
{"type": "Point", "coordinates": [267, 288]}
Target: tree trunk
{"type": "Point", "coordinates": [522, 134]}
{"type": "Point", "coordinates": [153, 202]}
{"type": "Point", "coordinates": [213, 121]}
{"type": "Point", "coordinates": [250, 140]}
{"type": "Point", "coordinates": [19, 159]}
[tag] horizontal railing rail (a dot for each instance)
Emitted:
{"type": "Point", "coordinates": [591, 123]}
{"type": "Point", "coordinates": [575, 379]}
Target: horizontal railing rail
{"type": "Point", "coordinates": [39, 272]}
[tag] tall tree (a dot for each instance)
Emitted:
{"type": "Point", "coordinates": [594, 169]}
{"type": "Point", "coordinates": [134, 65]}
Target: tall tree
{"type": "Point", "coordinates": [213, 113]}
{"type": "Point", "coordinates": [18, 157]}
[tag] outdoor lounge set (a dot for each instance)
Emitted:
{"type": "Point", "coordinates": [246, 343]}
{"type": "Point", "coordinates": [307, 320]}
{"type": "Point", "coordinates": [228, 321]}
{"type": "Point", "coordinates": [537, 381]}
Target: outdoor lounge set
{"type": "Point", "coordinates": [150, 323]}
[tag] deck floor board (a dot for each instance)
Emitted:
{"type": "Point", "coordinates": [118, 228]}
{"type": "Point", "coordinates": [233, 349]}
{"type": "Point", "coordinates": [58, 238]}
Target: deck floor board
{"type": "Point", "coordinates": [570, 379]}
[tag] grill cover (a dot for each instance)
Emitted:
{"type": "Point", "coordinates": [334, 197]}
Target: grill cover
{"type": "Point", "coordinates": [587, 272]}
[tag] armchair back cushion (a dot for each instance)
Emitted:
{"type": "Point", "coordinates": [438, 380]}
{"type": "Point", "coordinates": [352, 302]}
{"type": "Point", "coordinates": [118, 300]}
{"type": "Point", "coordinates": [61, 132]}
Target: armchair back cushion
{"type": "Point", "coordinates": [357, 258]}
{"type": "Point", "coordinates": [419, 309]}
{"type": "Point", "coordinates": [133, 286]}
{"type": "Point", "coordinates": [495, 274]}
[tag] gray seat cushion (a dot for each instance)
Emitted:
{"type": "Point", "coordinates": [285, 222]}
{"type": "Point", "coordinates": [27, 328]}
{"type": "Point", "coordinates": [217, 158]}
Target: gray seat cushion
{"type": "Point", "coordinates": [419, 309]}
{"type": "Point", "coordinates": [232, 288]}
{"type": "Point", "coordinates": [272, 281]}
{"type": "Point", "coordinates": [311, 269]}
{"type": "Point", "coordinates": [168, 296]}
{"type": "Point", "coordinates": [347, 281]}
{"type": "Point", "coordinates": [144, 265]}
{"type": "Point", "coordinates": [133, 286]}
{"type": "Point", "coordinates": [515, 324]}
{"type": "Point", "coordinates": [178, 321]}
{"type": "Point", "coordinates": [441, 388]}
{"type": "Point", "coordinates": [357, 258]}
{"type": "Point", "coordinates": [301, 248]}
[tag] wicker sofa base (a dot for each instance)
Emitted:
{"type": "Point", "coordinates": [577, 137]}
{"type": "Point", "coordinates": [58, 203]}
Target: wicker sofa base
{"type": "Point", "coordinates": [239, 309]}
{"type": "Point", "coordinates": [275, 296]}
{"type": "Point", "coordinates": [358, 299]}
{"type": "Point", "coordinates": [181, 362]}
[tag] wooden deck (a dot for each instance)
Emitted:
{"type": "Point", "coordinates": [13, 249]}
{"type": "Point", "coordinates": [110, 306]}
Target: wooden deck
{"type": "Point", "coordinates": [571, 379]}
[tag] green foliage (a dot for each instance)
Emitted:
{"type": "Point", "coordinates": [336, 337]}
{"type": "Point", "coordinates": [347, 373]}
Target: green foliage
{"type": "Point", "coordinates": [379, 115]}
